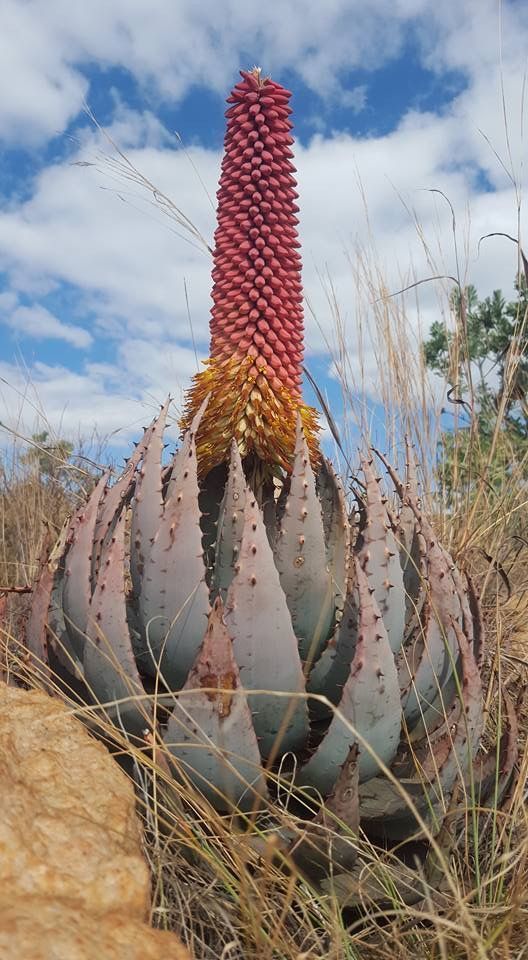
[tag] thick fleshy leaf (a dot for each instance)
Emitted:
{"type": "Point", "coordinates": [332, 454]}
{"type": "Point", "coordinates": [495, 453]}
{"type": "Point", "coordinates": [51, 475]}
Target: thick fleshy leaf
{"type": "Point", "coordinates": [300, 557]}
{"type": "Point", "coordinates": [410, 496]}
{"type": "Point", "coordinates": [337, 531]}
{"type": "Point", "coordinates": [411, 542]}
{"type": "Point", "coordinates": [415, 582]}
{"type": "Point", "coordinates": [230, 526]}
{"type": "Point", "coordinates": [210, 730]}
{"type": "Point", "coordinates": [174, 599]}
{"type": "Point", "coordinates": [110, 669]}
{"type": "Point", "coordinates": [46, 636]}
{"type": "Point", "coordinates": [115, 498]}
{"type": "Point", "coordinates": [460, 583]}
{"type": "Point", "coordinates": [331, 671]}
{"type": "Point", "coordinates": [77, 590]}
{"type": "Point", "coordinates": [264, 643]}
{"type": "Point", "coordinates": [186, 450]}
{"type": "Point", "coordinates": [385, 812]}
{"type": "Point", "coordinates": [434, 709]}
{"type": "Point", "coordinates": [379, 558]}
{"type": "Point", "coordinates": [65, 668]}
{"type": "Point", "coordinates": [63, 660]}
{"type": "Point", "coordinates": [429, 774]}
{"type": "Point", "coordinates": [36, 633]}
{"type": "Point", "coordinates": [147, 508]}
{"type": "Point", "coordinates": [439, 710]}
{"type": "Point", "coordinates": [458, 737]}
{"type": "Point", "coordinates": [428, 658]}
{"type": "Point", "coordinates": [327, 841]}
{"type": "Point", "coordinates": [370, 703]}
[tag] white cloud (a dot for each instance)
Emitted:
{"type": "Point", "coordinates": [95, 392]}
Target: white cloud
{"type": "Point", "coordinates": [8, 301]}
{"type": "Point", "coordinates": [171, 45]}
{"type": "Point", "coordinates": [38, 323]}
{"type": "Point", "coordinates": [41, 91]}
{"type": "Point", "coordinates": [112, 401]}
{"type": "Point", "coordinates": [69, 404]}
{"type": "Point", "coordinates": [355, 99]}
{"type": "Point", "coordinates": [111, 240]}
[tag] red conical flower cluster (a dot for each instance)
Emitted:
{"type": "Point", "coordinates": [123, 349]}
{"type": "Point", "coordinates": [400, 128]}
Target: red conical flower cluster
{"type": "Point", "coordinates": [255, 366]}
{"type": "Point", "coordinates": [257, 274]}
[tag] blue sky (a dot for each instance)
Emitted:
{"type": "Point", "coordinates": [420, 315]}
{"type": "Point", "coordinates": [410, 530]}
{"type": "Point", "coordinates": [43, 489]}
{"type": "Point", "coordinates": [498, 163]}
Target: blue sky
{"type": "Point", "coordinates": [391, 99]}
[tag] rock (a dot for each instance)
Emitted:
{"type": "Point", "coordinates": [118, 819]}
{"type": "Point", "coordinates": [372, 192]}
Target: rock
{"type": "Point", "coordinates": [40, 929]}
{"type": "Point", "coordinates": [70, 842]}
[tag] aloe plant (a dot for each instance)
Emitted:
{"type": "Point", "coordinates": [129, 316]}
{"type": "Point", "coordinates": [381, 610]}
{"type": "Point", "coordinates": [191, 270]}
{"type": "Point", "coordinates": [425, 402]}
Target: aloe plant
{"type": "Point", "coordinates": [240, 583]}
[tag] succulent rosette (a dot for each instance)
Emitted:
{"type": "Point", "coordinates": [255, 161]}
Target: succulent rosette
{"type": "Point", "coordinates": [242, 584]}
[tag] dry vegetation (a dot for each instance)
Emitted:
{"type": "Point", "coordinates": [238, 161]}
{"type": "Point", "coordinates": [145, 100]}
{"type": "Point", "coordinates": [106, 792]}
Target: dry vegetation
{"type": "Point", "coordinates": [224, 884]}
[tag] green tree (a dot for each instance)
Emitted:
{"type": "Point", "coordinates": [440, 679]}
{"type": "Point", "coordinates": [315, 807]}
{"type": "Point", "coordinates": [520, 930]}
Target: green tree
{"type": "Point", "coordinates": [484, 358]}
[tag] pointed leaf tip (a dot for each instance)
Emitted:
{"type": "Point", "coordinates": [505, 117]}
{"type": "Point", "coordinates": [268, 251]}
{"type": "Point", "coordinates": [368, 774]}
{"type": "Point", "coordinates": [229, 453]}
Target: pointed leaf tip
{"type": "Point", "coordinates": [300, 557]}
{"type": "Point", "coordinates": [370, 703]}
{"type": "Point", "coordinates": [210, 730]}
{"type": "Point", "coordinates": [174, 598]}
{"type": "Point", "coordinates": [264, 643]}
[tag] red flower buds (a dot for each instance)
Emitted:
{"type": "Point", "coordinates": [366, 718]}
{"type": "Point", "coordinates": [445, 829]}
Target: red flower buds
{"type": "Point", "coordinates": [257, 316]}
{"type": "Point", "coordinates": [257, 268]}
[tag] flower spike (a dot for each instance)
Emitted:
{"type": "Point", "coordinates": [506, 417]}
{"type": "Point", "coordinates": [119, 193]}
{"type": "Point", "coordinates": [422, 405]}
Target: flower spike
{"type": "Point", "coordinates": [254, 371]}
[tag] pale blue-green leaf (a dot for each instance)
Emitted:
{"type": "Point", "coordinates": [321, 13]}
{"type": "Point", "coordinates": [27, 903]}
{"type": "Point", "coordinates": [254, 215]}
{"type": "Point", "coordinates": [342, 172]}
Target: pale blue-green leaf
{"type": "Point", "coordinates": [210, 731]}
{"type": "Point", "coordinates": [300, 557]}
{"type": "Point", "coordinates": [337, 531]}
{"type": "Point", "coordinates": [370, 704]}
{"type": "Point", "coordinates": [331, 671]}
{"type": "Point", "coordinates": [174, 599]}
{"type": "Point", "coordinates": [62, 657]}
{"type": "Point", "coordinates": [379, 556]}
{"type": "Point", "coordinates": [230, 525]}
{"type": "Point", "coordinates": [410, 540]}
{"type": "Point", "coordinates": [77, 590]}
{"type": "Point", "coordinates": [65, 669]}
{"type": "Point", "coordinates": [428, 773]}
{"type": "Point", "coordinates": [186, 451]}
{"type": "Point", "coordinates": [264, 643]}
{"type": "Point", "coordinates": [410, 503]}
{"type": "Point", "coordinates": [147, 507]}
{"type": "Point", "coordinates": [116, 497]}
{"type": "Point", "coordinates": [36, 632]}
{"type": "Point", "coordinates": [460, 738]}
{"type": "Point", "coordinates": [386, 812]}
{"type": "Point", "coordinates": [439, 709]}
{"type": "Point", "coordinates": [415, 582]}
{"type": "Point", "coordinates": [434, 709]}
{"type": "Point", "coordinates": [467, 619]}
{"type": "Point", "coordinates": [428, 658]}
{"type": "Point", "coordinates": [110, 669]}
{"type": "Point", "coordinates": [212, 487]}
